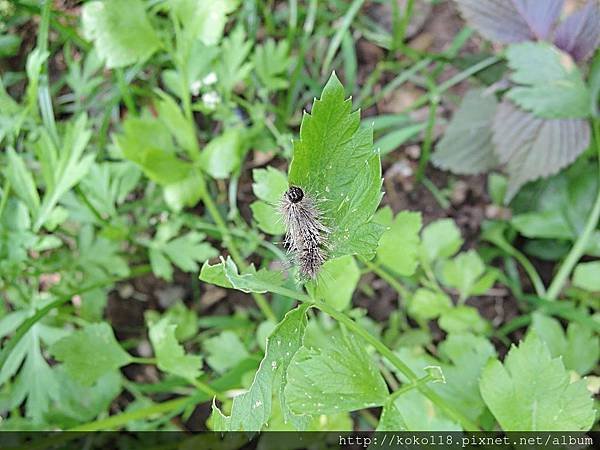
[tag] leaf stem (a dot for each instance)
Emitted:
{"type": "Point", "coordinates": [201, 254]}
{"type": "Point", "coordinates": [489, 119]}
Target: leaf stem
{"type": "Point", "coordinates": [580, 245]}
{"type": "Point", "coordinates": [228, 243]}
{"type": "Point", "coordinates": [389, 279]}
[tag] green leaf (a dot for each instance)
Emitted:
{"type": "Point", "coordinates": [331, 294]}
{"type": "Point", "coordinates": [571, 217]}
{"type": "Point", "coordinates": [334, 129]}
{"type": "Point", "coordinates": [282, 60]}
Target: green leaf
{"type": "Point", "coordinates": [204, 20]}
{"type": "Point", "coordinates": [121, 31]}
{"type": "Point", "coordinates": [224, 351]}
{"type": "Point", "coordinates": [339, 279]}
{"type": "Point", "coordinates": [180, 128]}
{"type": "Point", "coordinates": [184, 251]}
{"type": "Point", "coordinates": [440, 239]}
{"type": "Point", "coordinates": [552, 85]}
{"type": "Point", "coordinates": [399, 246]}
{"type": "Point", "coordinates": [90, 353]}
{"type": "Point", "coordinates": [334, 162]}
{"type": "Point", "coordinates": [226, 274]}
{"type": "Point", "coordinates": [426, 304]}
{"type": "Point", "coordinates": [22, 181]}
{"type": "Point", "coordinates": [269, 186]}
{"type": "Point", "coordinates": [467, 147]}
{"type": "Point", "coordinates": [170, 355]}
{"type": "Point", "coordinates": [587, 276]}
{"type": "Point", "coordinates": [232, 67]}
{"type": "Point", "coordinates": [337, 378]}
{"type": "Point", "coordinates": [62, 168]}
{"type": "Point", "coordinates": [579, 348]}
{"type": "Point", "coordinates": [223, 155]}
{"type": "Point", "coordinates": [252, 410]}
{"type": "Point", "coordinates": [271, 61]}
{"type": "Point", "coordinates": [463, 271]}
{"type": "Point", "coordinates": [463, 319]}
{"type": "Point", "coordinates": [532, 392]}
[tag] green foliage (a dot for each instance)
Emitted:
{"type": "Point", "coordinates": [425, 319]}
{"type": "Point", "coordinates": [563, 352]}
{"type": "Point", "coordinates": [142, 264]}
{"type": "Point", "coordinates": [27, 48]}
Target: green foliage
{"type": "Point", "coordinates": [553, 86]}
{"type": "Point", "coordinates": [121, 31]}
{"type": "Point", "coordinates": [339, 278]}
{"type": "Point", "coordinates": [170, 355]}
{"type": "Point", "coordinates": [531, 391]}
{"type": "Point", "coordinates": [90, 353]}
{"type": "Point", "coordinates": [269, 186]}
{"type": "Point", "coordinates": [325, 380]}
{"type": "Point", "coordinates": [334, 162]}
{"type": "Point", "coordinates": [402, 233]}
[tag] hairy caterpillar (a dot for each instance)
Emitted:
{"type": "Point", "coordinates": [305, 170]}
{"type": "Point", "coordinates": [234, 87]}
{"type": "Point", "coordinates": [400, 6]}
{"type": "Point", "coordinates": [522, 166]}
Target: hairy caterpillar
{"type": "Point", "coordinates": [306, 236]}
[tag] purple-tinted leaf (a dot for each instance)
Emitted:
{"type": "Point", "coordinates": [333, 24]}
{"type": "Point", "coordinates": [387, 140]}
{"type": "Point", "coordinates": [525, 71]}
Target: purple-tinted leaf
{"type": "Point", "coordinates": [579, 34]}
{"type": "Point", "coordinates": [509, 21]}
{"type": "Point", "coordinates": [533, 148]}
{"type": "Point", "coordinates": [539, 15]}
{"type": "Point", "coordinates": [467, 147]}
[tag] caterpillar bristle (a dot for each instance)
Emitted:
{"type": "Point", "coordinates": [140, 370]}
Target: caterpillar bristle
{"type": "Point", "coordinates": [306, 235]}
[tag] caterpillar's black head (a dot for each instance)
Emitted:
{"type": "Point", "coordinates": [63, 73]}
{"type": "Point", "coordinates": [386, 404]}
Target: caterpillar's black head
{"type": "Point", "coordinates": [294, 194]}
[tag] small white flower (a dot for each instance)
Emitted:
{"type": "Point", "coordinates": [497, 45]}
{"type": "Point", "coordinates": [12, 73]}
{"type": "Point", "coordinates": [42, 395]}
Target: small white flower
{"type": "Point", "coordinates": [211, 99]}
{"type": "Point", "coordinates": [209, 79]}
{"type": "Point", "coordinates": [195, 87]}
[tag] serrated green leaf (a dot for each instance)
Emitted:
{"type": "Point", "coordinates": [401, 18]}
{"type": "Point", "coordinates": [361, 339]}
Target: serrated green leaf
{"type": "Point", "coordinates": [466, 147]}
{"type": "Point", "coordinates": [271, 61]}
{"type": "Point", "coordinates": [204, 20]}
{"type": "Point", "coordinates": [180, 128]}
{"type": "Point", "coordinates": [252, 409]}
{"type": "Point", "coordinates": [170, 355]}
{"type": "Point", "coordinates": [552, 85]}
{"type": "Point", "coordinates": [440, 239]}
{"type": "Point", "coordinates": [339, 278]}
{"type": "Point", "coordinates": [334, 162]}
{"type": "Point", "coordinates": [269, 184]}
{"type": "Point", "coordinates": [530, 391]}
{"type": "Point", "coordinates": [90, 353]}
{"type": "Point", "coordinates": [121, 31]}
{"type": "Point", "coordinates": [399, 246]}
{"type": "Point", "coordinates": [579, 348]}
{"type": "Point", "coordinates": [224, 351]}
{"type": "Point", "coordinates": [336, 378]}
{"type": "Point", "coordinates": [232, 67]}
{"type": "Point", "coordinates": [226, 274]}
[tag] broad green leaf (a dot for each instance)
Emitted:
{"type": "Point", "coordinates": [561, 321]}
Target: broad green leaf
{"type": "Point", "coordinates": [121, 31]}
{"type": "Point", "coordinates": [170, 355]}
{"type": "Point", "coordinates": [440, 239]}
{"type": "Point", "coordinates": [463, 271]}
{"type": "Point", "coordinates": [22, 181]}
{"type": "Point", "coordinates": [90, 353]}
{"type": "Point", "coordinates": [180, 128]}
{"type": "Point", "coordinates": [339, 278]}
{"type": "Point", "coordinates": [269, 186]}
{"type": "Point", "coordinates": [399, 246]}
{"type": "Point", "coordinates": [336, 378]}
{"type": "Point", "coordinates": [551, 84]}
{"type": "Point", "coordinates": [252, 409]}
{"type": "Point", "coordinates": [466, 147]}
{"type": "Point", "coordinates": [334, 162]}
{"type": "Point", "coordinates": [223, 154]}
{"type": "Point", "coordinates": [531, 147]}
{"type": "Point", "coordinates": [426, 304]}
{"type": "Point", "coordinates": [204, 20]}
{"type": "Point", "coordinates": [463, 319]}
{"type": "Point", "coordinates": [185, 192]}
{"type": "Point", "coordinates": [587, 276]}
{"type": "Point", "coordinates": [531, 391]}
{"type": "Point", "coordinates": [224, 351]}
{"type": "Point", "coordinates": [579, 348]}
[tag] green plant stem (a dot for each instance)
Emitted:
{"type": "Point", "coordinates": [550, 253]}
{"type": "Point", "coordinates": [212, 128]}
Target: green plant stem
{"type": "Point", "coordinates": [260, 299]}
{"type": "Point", "coordinates": [389, 279]}
{"type": "Point", "coordinates": [403, 25]}
{"type": "Point", "coordinates": [578, 249]}
{"type": "Point", "coordinates": [383, 350]}
{"type": "Point", "coordinates": [428, 141]}
{"type": "Point", "coordinates": [408, 387]}
{"type": "Point", "coordinates": [125, 92]}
